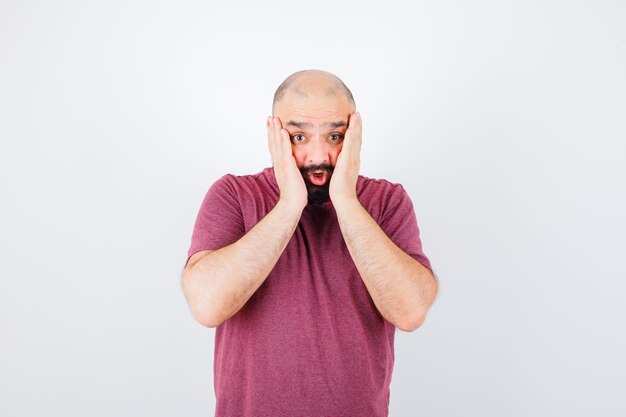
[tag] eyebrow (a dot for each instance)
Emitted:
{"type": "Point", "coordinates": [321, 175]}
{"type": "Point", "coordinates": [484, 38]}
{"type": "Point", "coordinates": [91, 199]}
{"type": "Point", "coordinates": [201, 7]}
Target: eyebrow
{"type": "Point", "coordinates": [303, 125]}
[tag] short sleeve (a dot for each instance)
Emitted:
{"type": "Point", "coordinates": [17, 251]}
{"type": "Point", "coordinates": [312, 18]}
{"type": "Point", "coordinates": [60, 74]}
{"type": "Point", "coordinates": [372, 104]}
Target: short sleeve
{"type": "Point", "coordinates": [400, 224]}
{"type": "Point", "coordinates": [219, 221]}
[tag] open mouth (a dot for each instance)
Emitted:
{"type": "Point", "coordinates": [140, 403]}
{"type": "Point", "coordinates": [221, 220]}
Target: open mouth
{"type": "Point", "coordinates": [318, 177]}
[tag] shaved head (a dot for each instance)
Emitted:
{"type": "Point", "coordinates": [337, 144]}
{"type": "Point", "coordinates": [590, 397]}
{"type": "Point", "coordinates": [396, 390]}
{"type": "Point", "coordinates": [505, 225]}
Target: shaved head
{"type": "Point", "coordinates": [314, 108]}
{"type": "Point", "coordinates": [309, 84]}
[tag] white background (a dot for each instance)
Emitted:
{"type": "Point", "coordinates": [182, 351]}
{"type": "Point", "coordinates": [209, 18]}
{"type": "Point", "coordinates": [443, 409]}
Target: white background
{"type": "Point", "coordinates": [505, 122]}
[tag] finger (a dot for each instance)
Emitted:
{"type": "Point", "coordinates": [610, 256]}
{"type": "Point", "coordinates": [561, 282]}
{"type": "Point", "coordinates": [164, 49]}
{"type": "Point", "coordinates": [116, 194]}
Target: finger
{"type": "Point", "coordinates": [286, 142]}
{"type": "Point", "coordinates": [355, 121]}
{"type": "Point", "coordinates": [269, 132]}
{"type": "Point", "coordinates": [271, 141]}
{"type": "Point", "coordinates": [283, 137]}
{"type": "Point", "coordinates": [276, 138]}
{"type": "Point", "coordinates": [348, 142]}
{"type": "Point", "coordinates": [351, 146]}
{"type": "Point", "coordinates": [284, 134]}
{"type": "Point", "coordinates": [358, 136]}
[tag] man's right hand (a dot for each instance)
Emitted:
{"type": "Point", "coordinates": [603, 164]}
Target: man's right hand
{"type": "Point", "coordinates": [289, 178]}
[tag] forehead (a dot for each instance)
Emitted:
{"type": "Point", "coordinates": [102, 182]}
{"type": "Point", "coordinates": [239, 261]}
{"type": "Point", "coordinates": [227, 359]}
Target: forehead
{"type": "Point", "coordinates": [311, 112]}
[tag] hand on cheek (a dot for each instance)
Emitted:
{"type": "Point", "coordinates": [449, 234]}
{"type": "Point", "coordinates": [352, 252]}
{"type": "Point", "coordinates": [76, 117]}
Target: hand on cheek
{"type": "Point", "coordinates": [343, 182]}
{"type": "Point", "coordinates": [288, 177]}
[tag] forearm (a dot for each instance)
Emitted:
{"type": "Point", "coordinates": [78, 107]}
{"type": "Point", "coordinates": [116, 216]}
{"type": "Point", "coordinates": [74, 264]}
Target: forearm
{"type": "Point", "coordinates": [222, 282]}
{"type": "Point", "coordinates": [402, 289]}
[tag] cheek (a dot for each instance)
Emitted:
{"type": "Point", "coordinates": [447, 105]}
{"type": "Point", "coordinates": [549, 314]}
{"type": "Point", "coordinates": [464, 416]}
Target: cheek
{"type": "Point", "coordinates": [335, 154]}
{"type": "Point", "coordinates": [299, 155]}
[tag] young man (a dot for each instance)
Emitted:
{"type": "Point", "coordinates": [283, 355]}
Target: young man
{"type": "Point", "coordinates": [306, 268]}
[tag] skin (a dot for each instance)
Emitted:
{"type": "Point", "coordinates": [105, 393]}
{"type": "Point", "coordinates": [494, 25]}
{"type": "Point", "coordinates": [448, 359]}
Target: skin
{"type": "Point", "coordinates": [402, 289]}
{"type": "Point", "coordinates": [317, 144]}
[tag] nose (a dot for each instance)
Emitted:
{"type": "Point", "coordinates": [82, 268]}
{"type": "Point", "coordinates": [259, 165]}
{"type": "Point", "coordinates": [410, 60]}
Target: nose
{"type": "Point", "coordinates": [318, 152]}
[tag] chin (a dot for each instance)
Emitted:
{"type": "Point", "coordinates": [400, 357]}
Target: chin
{"type": "Point", "coordinates": [317, 195]}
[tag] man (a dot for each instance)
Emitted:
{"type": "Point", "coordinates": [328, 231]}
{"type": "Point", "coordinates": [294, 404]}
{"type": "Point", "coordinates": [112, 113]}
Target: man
{"type": "Point", "coordinates": [307, 268]}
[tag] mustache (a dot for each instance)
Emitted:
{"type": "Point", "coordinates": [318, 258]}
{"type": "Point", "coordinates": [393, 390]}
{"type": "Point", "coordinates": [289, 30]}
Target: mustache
{"type": "Point", "coordinates": [311, 168]}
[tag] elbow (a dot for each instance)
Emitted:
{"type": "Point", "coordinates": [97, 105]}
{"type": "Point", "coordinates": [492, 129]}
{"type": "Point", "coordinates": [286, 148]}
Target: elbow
{"type": "Point", "coordinates": [205, 316]}
{"type": "Point", "coordinates": [413, 322]}
{"type": "Point", "coordinates": [207, 321]}
{"type": "Point", "coordinates": [411, 325]}
{"type": "Point", "coordinates": [200, 309]}
{"type": "Point", "coordinates": [202, 315]}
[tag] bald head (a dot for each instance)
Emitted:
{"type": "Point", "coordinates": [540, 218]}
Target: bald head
{"type": "Point", "coordinates": [309, 84]}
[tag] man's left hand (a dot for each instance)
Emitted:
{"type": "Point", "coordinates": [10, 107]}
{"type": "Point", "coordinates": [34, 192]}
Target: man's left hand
{"type": "Point", "coordinates": [342, 186]}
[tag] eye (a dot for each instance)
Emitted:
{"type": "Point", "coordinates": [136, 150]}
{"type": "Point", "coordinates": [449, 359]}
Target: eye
{"type": "Point", "coordinates": [337, 136]}
{"type": "Point", "coordinates": [296, 136]}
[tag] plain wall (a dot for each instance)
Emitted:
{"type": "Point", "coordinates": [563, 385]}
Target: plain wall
{"type": "Point", "coordinates": [505, 122]}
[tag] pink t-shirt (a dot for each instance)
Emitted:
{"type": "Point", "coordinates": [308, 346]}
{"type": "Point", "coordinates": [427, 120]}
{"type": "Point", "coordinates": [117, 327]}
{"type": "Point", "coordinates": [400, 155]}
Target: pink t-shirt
{"type": "Point", "coordinates": [310, 341]}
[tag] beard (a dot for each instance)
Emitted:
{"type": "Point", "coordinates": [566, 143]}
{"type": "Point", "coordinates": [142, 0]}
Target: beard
{"type": "Point", "coordinates": [317, 194]}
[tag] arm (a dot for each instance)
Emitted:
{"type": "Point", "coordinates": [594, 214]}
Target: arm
{"type": "Point", "coordinates": [402, 289]}
{"type": "Point", "coordinates": [221, 282]}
